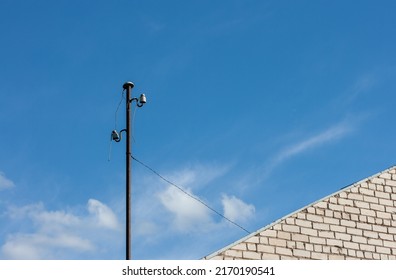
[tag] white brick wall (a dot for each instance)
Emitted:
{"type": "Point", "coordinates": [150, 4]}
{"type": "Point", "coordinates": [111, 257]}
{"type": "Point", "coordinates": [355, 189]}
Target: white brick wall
{"type": "Point", "coordinates": [358, 222]}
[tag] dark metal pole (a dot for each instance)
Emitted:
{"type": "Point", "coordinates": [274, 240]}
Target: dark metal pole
{"type": "Point", "coordinates": [128, 87]}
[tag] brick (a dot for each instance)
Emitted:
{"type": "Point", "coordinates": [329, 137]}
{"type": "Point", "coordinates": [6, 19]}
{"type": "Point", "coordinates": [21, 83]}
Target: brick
{"type": "Point", "coordinates": [318, 256]}
{"type": "Point", "coordinates": [311, 210]}
{"type": "Point", "coordinates": [382, 195]}
{"type": "Point", "coordinates": [265, 248]}
{"type": "Point", "coordinates": [284, 235]}
{"type": "Point", "coordinates": [390, 183]}
{"type": "Point", "coordinates": [386, 202]}
{"type": "Point", "coordinates": [351, 245]}
{"type": "Point", "coordinates": [355, 217]}
{"type": "Point", "coordinates": [251, 247]}
{"type": "Point", "coordinates": [301, 216]}
{"type": "Point", "coordinates": [365, 247]}
{"type": "Point", "coordinates": [379, 228]}
{"type": "Point", "coordinates": [314, 218]}
{"type": "Point", "coordinates": [288, 258]}
{"type": "Point", "coordinates": [385, 236]}
{"type": "Point", "coordinates": [363, 219]}
{"type": "Point", "coordinates": [310, 232]}
{"type": "Point", "coordinates": [352, 210]}
{"type": "Point", "coordinates": [321, 226]}
{"type": "Point", "coordinates": [377, 207]}
{"type": "Point", "coordinates": [267, 256]}
{"type": "Point", "coordinates": [218, 257]}
{"type": "Point", "coordinates": [336, 207]}
{"type": "Point", "coordinates": [336, 257]}
{"type": "Point", "coordinates": [343, 195]}
{"type": "Point", "coordinates": [263, 240]}
{"type": "Point", "coordinates": [291, 228]}
{"type": "Point", "coordinates": [343, 236]}
{"type": "Point", "coordinates": [283, 251]}
{"type": "Point", "coordinates": [251, 255]}
{"type": "Point", "coordinates": [390, 244]}
{"type": "Point", "coordinates": [368, 255]}
{"type": "Point", "coordinates": [342, 201]}
{"type": "Point", "coordinates": [300, 245]}
{"type": "Point", "coordinates": [290, 221]}
{"type": "Point", "coordinates": [374, 241]}
{"type": "Point", "coordinates": [240, 246]}
{"type": "Point", "coordinates": [328, 213]}
{"type": "Point", "coordinates": [372, 186]}
{"type": "Point", "coordinates": [355, 231]}
{"type": "Point", "coordinates": [370, 234]}
{"type": "Point", "coordinates": [277, 227]}
{"type": "Point", "coordinates": [233, 253]}
{"type": "Point", "coordinates": [355, 196]}
{"type": "Point", "coordinates": [317, 240]}
{"type": "Point", "coordinates": [388, 189]}
{"type": "Point", "coordinates": [301, 253]}
{"type": "Point", "coordinates": [359, 239]}
{"type": "Point", "coordinates": [269, 233]}
{"type": "Point", "coordinates": [331, 221]}
{"type": "Point", "coordinates": [338, 228]}
{"type": "Point", "coordinates": [348, 223]}
{"type": "Point", "coordinates": [365, 191]}
{"type": "Point", "coordinates": [333, 200]}
{"type": "Point", "coordinates": [321, 204]}
{"type": "Point", "coordinates": [337, 215]}
{"type": "Point", "coordinates": [385, 176]}
{"type": "Point", "coordinates": [338, 250]}
{"type": "Point", "coordinates": [367, 212]}
{"type": "Point", "coordinates": [300, 237]}
{"type": "Point", "coordinates": [377, 180]}
{"type": "Point", "coordinates": [362, 204]}
{"type": "Point", "coordinates": [384, 215]}
{"type": "Point", "coordinates": [326, 234]}
{"type": "Point", "coordinates": [253, 239]}
{"type": "Point", "coordinates": [382, 250]}
{"type": "Point", "coordinates": [334, 242]}
{"type": "Point", "coordinates": [304, 223]}
{"type": "Point", "coordinates": [370, 199]}
{"type": "Point", "coordinates": [309, 247]}
{"type": "Point", "coordinates": [277, 242]}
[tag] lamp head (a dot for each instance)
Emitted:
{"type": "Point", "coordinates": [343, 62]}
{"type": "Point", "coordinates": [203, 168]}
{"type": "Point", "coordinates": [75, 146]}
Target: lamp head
{"type": "Point", "coordinates": [115, 136]}
{"type": "Point", "coordinates": [142, 99]}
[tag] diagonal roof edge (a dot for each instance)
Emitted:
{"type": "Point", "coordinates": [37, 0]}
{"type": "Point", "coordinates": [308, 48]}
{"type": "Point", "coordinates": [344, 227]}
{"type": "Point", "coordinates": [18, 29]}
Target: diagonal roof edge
{"type": "Point", "coordinates": [294, 212]}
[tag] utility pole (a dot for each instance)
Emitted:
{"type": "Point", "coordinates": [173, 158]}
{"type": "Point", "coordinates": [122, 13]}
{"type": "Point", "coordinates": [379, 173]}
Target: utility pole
{"type": "Point", "coordinates": [128, 86]}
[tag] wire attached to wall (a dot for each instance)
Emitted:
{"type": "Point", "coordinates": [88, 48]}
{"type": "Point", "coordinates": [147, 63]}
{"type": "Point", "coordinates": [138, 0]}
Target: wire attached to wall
{"type": "Point", "coordinates": [188, 194]}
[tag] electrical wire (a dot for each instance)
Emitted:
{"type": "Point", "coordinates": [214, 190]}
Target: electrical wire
{"type": "Point", "coordinates": [190, 195]}
{"type": "Point", "coordinates": [118, 107]}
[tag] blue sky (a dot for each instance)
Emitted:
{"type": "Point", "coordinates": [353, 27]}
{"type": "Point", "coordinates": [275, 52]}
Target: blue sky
{"type": "Point", "coordinates": [257, 108]}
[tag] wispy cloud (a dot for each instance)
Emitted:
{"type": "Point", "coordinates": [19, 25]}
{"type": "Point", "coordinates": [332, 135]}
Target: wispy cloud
{"type": "Point", "coordinates": [5, 183]}
{"type": "Point", "coordinates": [59, 234]}
{"type": "Point", "coordinates": [326, 136]}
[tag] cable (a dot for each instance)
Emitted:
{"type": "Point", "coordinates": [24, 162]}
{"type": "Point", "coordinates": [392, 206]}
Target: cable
{"type": "Point", "coordinates": [190, 195]}
{"type": "Point", "coordinates": [118, 107]}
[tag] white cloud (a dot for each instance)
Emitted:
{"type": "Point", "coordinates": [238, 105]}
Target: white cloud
{"type": "Point", "coordinates": [5, 183]}
{"type": "Point", "coordinates": [187, 212]}
{"type": "Point", "coordinates": [59, 234]}
{"type": "Point", "coordinates": [103, 215]}
{"type": "Point", "coordinates": [236, 210]}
